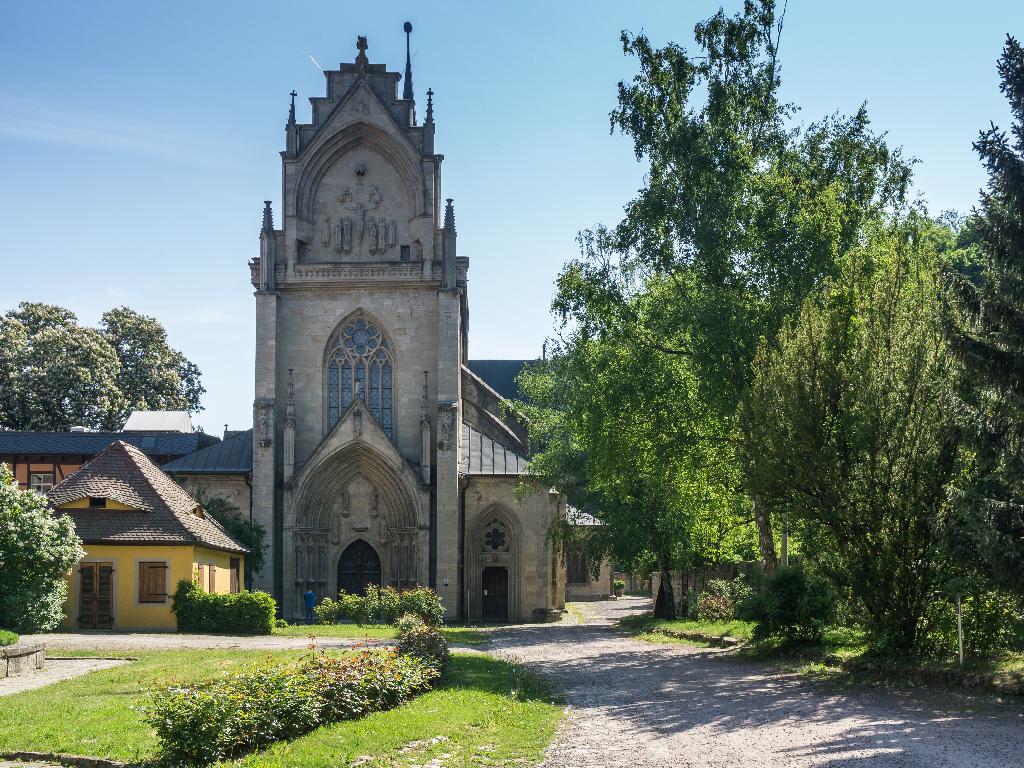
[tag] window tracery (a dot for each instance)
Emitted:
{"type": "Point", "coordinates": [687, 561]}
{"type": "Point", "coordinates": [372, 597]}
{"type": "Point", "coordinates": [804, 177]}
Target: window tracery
{"type": "Point", "coordinates": [361, 365]}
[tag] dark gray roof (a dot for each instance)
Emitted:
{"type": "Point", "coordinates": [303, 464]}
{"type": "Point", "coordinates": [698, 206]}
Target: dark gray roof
{"type": "Point", "coordinates": [483, 456]}
{"type": "Point", "coordinates": [231, 456]}
{"type": "Point", "coordinates": [94, 443]}
{"type": "Point", "coordinates": [500, 375]}
{"type": "Point", "coordinates": [162, 512]}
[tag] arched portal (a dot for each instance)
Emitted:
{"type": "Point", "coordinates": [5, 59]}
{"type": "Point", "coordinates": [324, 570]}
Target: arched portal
{"type": "Point", "coordinates": [358, 568]}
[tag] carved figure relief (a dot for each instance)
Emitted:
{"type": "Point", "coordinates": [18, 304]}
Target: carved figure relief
{"type": "Point", "coordinates": [363, 232]}
{"type": "Point", "coordinates": [445, 419]}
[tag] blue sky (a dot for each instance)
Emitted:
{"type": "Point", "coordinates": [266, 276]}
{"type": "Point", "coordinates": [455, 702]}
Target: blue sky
{"type": "Point", "coordinates": [138, 140]}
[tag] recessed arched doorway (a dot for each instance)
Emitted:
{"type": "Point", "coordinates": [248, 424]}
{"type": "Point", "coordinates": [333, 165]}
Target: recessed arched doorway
{"type": "Point", "coordinates": [494, 600]}
{"type": "Point", "coordinates": [358, 568]}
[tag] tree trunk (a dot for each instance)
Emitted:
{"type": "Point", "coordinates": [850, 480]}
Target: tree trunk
{"type": "Point", "coordinates": [765, 539]}
{"type": "Point", "coordinates": [665, 604]}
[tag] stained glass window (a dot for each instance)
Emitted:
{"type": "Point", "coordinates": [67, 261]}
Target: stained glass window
{"type": "Point", "coordinates": [360, 365]}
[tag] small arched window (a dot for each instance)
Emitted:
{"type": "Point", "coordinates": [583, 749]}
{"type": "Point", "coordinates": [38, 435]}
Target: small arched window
{"type": "Point", "coordinates": [361, 365]}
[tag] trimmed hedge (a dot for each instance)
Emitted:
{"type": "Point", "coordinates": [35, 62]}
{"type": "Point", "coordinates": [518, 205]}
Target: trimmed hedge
{"type": "Point", "coordinates": [238, 713]}
{"type": "Point", "coordinates": [7, 637]}
{"type": "Point", "coordinates": [382, 605]}
{"type": "Point", "coordinates": [240, 613]}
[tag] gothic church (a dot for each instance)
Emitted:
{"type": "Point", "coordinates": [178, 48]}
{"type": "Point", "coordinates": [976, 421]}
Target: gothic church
{"type": "Point", "coordinates": [378, 455]}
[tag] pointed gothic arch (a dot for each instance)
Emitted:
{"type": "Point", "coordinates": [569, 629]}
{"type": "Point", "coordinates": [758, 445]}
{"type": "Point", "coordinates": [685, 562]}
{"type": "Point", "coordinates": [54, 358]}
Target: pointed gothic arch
{"type": "Point", "coordinates": [359, 363]}
{"type": "Point", "coordinates": [493, 543]}
{"type": "Point", "coordinates": [353, 136]}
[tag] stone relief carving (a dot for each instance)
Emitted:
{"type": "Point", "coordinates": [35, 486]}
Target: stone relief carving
{"type": "Point", "coordinates": [445, 424]}
{"type": "Point", "coordinates": [365, 231]}
{"type": "Point", "coordinates": [264, 422]}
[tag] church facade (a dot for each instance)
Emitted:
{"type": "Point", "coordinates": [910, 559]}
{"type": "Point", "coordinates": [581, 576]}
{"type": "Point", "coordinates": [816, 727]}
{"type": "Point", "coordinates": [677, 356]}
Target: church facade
{"type": "Point", "coordinates": [379, 456]}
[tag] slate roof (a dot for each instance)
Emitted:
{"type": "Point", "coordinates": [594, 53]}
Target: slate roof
{"type": "Point", "coordinates": [166, 514]}
{"type": "Point", "coordinates": [232, 456]}
{"type": "Point", "coordinates": [483, 456]}
{"type": "Point", "coordinates": [92, 443]}
{"type": "Point", "coordinates": [500, 375]}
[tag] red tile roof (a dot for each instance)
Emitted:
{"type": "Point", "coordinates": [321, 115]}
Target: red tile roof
{"type": "Point", "coordinates": [166, 513]}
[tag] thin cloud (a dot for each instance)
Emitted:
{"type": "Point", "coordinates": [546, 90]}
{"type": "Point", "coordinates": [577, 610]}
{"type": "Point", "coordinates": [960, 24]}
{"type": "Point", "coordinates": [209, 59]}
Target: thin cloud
{"type": "Point", "coordinates": [39, 121]}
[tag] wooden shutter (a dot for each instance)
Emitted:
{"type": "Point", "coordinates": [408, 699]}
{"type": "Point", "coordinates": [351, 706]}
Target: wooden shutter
{"type": "Point", "coordinates": [236, 568]}
{"type": "Point", "coordinates": [153, 582]}
{"type": "Point", "coordinates": [203, 582]}
{"type": "Point", "coordinates": [213, 578]}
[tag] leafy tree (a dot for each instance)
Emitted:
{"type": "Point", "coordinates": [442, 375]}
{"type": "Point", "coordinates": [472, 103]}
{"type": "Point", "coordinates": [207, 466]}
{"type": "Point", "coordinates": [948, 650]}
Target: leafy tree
{"type": "Point", "coordinates": [849, 426]}
{"type": "Point", "coordinates": [248, 533]}
{"type": "Point", "coordinates": [152, 375]}
{"type": "Point", "coordinates": [617, 427]}
{"type": "Point", "coordinates": [55, 374]}
{"type": "Point", "coordinates": [741, 216]}
{"type": "Point", "coordinates": [37, 550]}
{"type": "Point", "coordinates": [986, 328]}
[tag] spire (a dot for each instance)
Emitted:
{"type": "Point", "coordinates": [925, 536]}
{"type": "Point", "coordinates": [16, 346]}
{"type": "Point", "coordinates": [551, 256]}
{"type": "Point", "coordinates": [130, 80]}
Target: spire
{"type": "Point", "coordinates": [449, 273]}
{"type": "Point", "coordinates": [430, 106]}
{"type": "Point", "coordinates": [407, 91]}
{"type": "Point", "coordinates": [268, 217]}
{"type": "Point", "coordinates": [292, 130]}
{"type": "Point", "coordinates": [449, 217]}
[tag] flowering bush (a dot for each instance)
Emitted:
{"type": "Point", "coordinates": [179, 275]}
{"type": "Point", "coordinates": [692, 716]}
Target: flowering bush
{"type": "Point", "coordinates": [240, 712]}
{"type": "Point", "coordinates": [422, 641]}
{"type": "Point", "coordinates": [714, 606]}
{"type": "Point", "coordinates": [382, 605]}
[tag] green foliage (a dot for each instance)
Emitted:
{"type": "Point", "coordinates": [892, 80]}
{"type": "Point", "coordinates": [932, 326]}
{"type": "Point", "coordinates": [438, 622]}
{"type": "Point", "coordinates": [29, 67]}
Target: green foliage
{"type": "Point", "coordinates": [850, 427]}
{"type": "Point", "coordinates": [248, 533]}
{"type": "Point", "coordinates": [993, 621]}
{"type": "Point", "coordinates": [55, 373]}
{"type": "Point", "coordinates": [238, 713]}
{"type": "Point", "coordinates": [618, 585]}
{"type": "Point", "coordinates": [241, 613]}
{"type": "Point", "coordinates": [420, 640]}
{"type": "Point", "coordinates": [789, 604]}
{"type": "Point", "coordinates": [37, 550]}
{"type": "Point", "coordinates": [382, 605]}
{"type": "Point", "coordinates": [986, 330]}
{"type": "Point", "coordinates": [7, 637]}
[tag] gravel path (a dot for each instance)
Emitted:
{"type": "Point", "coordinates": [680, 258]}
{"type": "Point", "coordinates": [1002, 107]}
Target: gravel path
{"type": "Point", "coordinates": [54, 671]}
{"type": "Point", "coordinates": [637, 704]}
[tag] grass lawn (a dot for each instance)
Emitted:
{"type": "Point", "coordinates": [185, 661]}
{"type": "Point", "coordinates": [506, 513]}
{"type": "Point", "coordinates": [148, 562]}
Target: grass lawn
{"type": "Point", "coordinates": [486, 707]}
{"type": "Point", "coordinates": [646, 627]}
{"type": "Point", "coordinates": [487, 713]}
{"type": "Point", "coordinates": [455, 634]}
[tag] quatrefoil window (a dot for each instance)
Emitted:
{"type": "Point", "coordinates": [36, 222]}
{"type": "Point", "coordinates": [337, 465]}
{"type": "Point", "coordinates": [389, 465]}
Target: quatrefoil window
{"type": "Point", "coordinates": [495, 538]}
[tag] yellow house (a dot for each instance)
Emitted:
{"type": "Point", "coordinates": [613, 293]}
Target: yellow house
{"type": "Point", "coordinates": [142, 534]}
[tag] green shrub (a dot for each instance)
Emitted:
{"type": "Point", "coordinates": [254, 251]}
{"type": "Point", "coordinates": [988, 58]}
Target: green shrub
{"type": "Point", "coordinates": [7, 637]}
{"type": "Point", "coordinates": [790, 604]}
{"type": "Point", "coordinates": [240, 613]}
{"type": "Point", "coordinates": [280, 624]}
{"type": "Point", "coordinates": [381, 605]}
{"type": "Point", "coordinates": [422, 641]}
{"type": "Point", "coordinates": [241, 712]}
{"type": "Point", "coordinates": [992, 622]}
{"type": "Point", "coordinates": [618, 585]}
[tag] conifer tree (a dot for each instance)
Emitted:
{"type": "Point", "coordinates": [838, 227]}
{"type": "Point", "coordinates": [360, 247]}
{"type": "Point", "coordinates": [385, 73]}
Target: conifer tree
{"type": "Point", "coordinates": [987, 331]}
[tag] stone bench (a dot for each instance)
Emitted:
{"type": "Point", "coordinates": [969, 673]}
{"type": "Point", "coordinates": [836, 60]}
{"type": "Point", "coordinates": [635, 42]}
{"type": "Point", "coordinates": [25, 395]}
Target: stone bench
{"type": "Point", "coordinates": [21, 659]}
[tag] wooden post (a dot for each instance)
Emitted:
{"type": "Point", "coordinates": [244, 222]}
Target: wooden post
{"type": "Point", "coordinates": [960, 629]}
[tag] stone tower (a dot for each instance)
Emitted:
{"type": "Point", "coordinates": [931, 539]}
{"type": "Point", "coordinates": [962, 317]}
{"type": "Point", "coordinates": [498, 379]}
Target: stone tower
{"type": "Point", "coordinates": [361, 326]}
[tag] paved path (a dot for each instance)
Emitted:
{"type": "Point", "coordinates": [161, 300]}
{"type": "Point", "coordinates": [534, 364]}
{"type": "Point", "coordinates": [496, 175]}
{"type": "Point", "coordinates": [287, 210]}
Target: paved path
{"type": "Point", "coordinates": [636, 704]}
{"type": "Point", "coordinates": [53, 671]}
{"type": "Point", "coordinates": [119, 642]}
